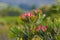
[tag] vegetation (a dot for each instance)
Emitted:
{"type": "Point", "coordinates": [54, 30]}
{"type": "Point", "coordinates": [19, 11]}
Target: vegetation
{"type": "Point", "coordinates": [40, 24]}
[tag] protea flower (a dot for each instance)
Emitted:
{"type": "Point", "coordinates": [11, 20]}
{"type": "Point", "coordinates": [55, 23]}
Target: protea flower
{"type": "Point", "coordinates": [27, 14]}
{"type": "Point", "coordinates": [43, 28]}
{"type": "Point", "coordinates": [37, 29]}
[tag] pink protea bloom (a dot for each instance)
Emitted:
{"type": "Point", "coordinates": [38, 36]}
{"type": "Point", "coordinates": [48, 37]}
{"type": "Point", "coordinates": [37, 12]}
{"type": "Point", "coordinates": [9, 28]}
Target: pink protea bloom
{"type": "Point", "coordinates": [44, 28]}
{"type": "Point", "coordinates": [41, 27]}
{"type": "Point", "coordinates": [27, 14]}
{"type": "Point", "coordinates": [37, 29]}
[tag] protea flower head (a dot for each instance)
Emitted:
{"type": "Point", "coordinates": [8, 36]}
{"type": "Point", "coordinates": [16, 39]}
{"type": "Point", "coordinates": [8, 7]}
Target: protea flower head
{"type": "Point", "coordinates": [27, 14]}
{"type": "Point", "coordinates": [41, 27]}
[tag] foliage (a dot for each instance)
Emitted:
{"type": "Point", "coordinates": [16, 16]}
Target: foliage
{"type": "Point", "coordinates": [40, 23]}
{"type": "Point", "coordinates": [10, 11]}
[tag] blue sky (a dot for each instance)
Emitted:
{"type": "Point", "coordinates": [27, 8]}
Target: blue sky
{"type": "Point", "coordinates": [29, 2]}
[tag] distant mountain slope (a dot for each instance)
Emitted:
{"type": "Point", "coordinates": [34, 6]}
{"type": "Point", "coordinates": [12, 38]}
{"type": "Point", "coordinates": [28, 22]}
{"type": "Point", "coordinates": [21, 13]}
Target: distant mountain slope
{"type": "Point", "coordinates": [25, 4]}
{"type": "Point", "coordinates": [25, 7]}
{"type": "Point", "coordinates": [29, 2]}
